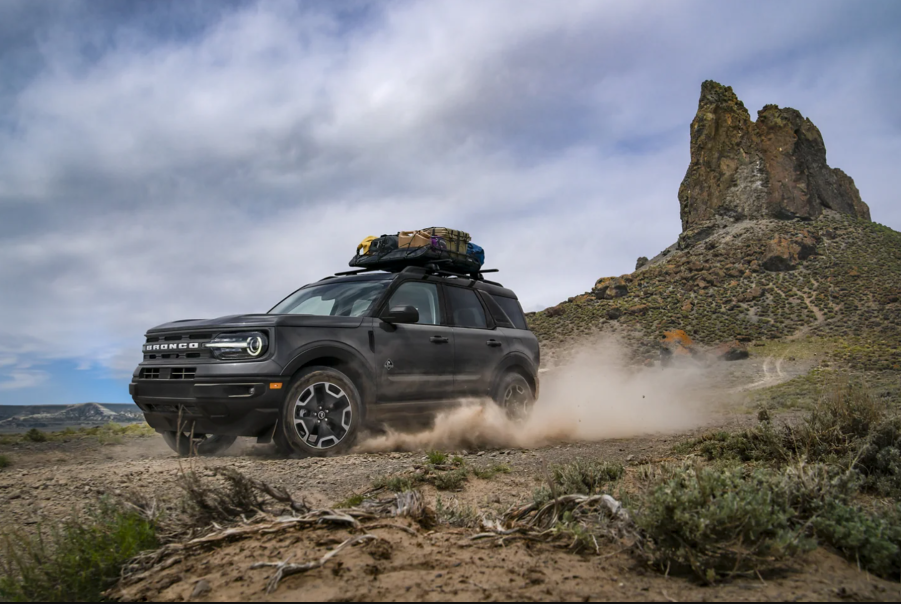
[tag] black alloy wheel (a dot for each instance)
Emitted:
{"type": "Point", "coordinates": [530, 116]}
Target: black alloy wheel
{"type": "Point", "coordinates": [322, 414]}
{"type": "Point", "coordinates": [515, 396]}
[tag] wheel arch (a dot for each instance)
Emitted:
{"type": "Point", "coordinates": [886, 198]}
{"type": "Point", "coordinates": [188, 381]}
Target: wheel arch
{"type": "Point", "coordinates": [516, 363]}
{"type": "Point", "coordinates": [340, 357]}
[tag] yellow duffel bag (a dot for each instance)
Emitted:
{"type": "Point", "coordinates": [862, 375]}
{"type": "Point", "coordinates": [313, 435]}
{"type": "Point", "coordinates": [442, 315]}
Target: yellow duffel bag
{"type": "Point", "coordinates": [363, 248]}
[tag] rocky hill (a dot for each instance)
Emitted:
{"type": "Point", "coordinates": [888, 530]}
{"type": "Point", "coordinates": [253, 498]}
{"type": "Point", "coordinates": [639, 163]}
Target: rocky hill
{"type": "Point", "coordinates": [775, 244]}
{"type": "Point", "coordinates": [57, 417]}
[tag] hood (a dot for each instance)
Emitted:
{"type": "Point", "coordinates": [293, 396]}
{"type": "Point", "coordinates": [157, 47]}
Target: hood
{"type": "Point", "coordinates": [261, 320]}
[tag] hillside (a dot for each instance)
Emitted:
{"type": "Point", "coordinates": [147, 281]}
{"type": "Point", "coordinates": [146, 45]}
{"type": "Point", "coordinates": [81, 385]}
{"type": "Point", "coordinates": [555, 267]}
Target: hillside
{"type": "Point", "coordinates": [847, 292]}
{"type": "Point", "coordinates": [776, 244]}
{"type": "Point", "coordinates": [15, 418]}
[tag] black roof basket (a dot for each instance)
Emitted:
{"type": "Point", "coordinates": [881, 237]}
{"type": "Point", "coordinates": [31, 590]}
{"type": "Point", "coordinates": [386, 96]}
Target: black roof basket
{"type": "Point", "coordinates": [431, 268]}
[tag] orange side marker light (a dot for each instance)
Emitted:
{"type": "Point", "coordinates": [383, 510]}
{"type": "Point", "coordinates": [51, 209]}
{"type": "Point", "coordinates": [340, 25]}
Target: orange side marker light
{"type": "Point", "coordinates": [275, 386]}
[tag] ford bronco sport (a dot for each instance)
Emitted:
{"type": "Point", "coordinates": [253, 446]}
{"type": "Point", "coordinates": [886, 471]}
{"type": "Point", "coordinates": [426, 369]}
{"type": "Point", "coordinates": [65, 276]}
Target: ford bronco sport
{"type": "Point", "coordinates": [356, 349]}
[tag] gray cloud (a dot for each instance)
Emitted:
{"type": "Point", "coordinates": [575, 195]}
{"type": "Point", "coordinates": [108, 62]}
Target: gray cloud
{"type": "Point", "coordinates": [211, 162]}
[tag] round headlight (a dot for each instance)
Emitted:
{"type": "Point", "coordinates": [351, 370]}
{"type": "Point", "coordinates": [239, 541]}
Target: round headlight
{"type": "Point", "coordinates": [254, 346]}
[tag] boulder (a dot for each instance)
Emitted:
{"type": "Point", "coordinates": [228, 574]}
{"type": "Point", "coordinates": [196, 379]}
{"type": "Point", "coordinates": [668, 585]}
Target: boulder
{"type": "Point", "coordinates": [611, 288]}
{"type": "Point", "coordinates": [781, 254]}
{"type": "Point", "coordinates": [553, 311]}
{"type": "Point", "coordinates": [642, 260]}
{"type": "Point", "coordinates": [731, 351]}
{"type": "Point", "coordinates": [753, 294]}
{"type": "Point", "coordinates": [772, 168]}
{"type": "Point", "coordinates": [675, 343]}
{"type": "Point", "coordinates": [807, 245]}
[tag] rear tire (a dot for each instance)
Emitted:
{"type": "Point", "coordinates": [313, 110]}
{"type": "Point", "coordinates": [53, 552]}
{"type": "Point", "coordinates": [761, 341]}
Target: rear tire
{"type": "Point", "coordinates": [514, 395]}
{"type": "Point", "coordinates": [203, 444]}
{"type": "Point", "coordinates": [321, 416]}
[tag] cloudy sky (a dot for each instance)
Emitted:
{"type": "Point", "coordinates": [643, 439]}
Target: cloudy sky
{"type": "Point", "coordinates": [189, 159]}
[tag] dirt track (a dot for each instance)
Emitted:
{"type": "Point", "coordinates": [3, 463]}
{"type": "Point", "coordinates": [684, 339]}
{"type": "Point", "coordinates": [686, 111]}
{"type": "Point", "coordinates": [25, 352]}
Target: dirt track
{"type": "Point", "coordinates": [49, 480]}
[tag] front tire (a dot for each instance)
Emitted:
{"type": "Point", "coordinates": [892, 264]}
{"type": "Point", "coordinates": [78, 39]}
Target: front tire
{"type": "Point", "coordinates": [322, 414]}
{"type": "Point", "coordinates": [514, 395]}
{"type": "Point", "coordinates": [200, 444]}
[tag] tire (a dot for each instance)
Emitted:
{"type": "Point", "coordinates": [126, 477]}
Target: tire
{"type": "Point", "coordinates": [514, 395]}
{"type": "Point", "coordinates": [322, 414]}
{"type": "Point", "coordinates": [203, 444]}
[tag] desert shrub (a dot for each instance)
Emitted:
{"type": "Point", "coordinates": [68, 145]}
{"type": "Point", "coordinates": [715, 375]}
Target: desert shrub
{"type": "Point", "coordinates": [871, 540]}
{"type": "Point", "coordinates": [586, 477]}
{"type": "Point", "coordinates": [5, 462]}
{"type": "Point", "coordinates": [76, 560]}
{"type": "Point", "coordinates": [844, 415]}
{"type": "Point", "coordinates": [353, 501]}
{"type": "Point", "coordinates": [34, 435]}
{"type": "Point", "coordinates": [762, 443]}
{"type": "Point", "coordinates": [846, 421]}
{"type": "Point", "coordinates": [879, 459]}
{"type": "Point", "coordinates": [720, 521]}
{"type": "Point", "coordinates": [491, 471]}
{"type": "Point", "coordinates": [397, 483]}
{"type": "Point", "coordinates": [436, 458]}
{"type": "Point", "coordinates": [445, 473]}
{"type": "Point", "coordinates": [452, 480]}
{"type": "Point", "coordinates": [457, 514]}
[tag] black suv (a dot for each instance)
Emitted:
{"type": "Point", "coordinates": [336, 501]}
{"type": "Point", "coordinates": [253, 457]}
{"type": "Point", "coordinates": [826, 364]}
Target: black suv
{"type": "Point", "coordinates": [355, 349]}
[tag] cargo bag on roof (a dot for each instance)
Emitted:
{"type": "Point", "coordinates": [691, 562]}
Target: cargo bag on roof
{"type": "Point", "coordinates": [445, 247]}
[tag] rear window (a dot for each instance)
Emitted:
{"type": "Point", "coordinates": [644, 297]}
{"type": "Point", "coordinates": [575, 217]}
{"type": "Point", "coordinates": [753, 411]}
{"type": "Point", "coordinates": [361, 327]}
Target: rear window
{"type": "Point", "coordinates": [513, 311]}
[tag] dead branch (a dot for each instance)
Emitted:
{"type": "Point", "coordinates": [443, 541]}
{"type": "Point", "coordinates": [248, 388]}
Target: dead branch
{"type": "Point", "coordinates": [284, 569]}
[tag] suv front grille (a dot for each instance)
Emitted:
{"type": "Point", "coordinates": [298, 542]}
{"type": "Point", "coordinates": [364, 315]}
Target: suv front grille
{"type": "Point", "coordinates": [166, 373]}
{"type": "Point", "coordinates": [197, 352]}
{"type": "Point", "coordinates": [183, 373]}
{"type": "Point", "coordinates": [150, 373]}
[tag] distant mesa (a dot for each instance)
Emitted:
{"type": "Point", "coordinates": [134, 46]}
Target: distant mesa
{"type": "Point", "coordinates": [772, 168]}
{"type": "Point", "coordinates": [57, 417]}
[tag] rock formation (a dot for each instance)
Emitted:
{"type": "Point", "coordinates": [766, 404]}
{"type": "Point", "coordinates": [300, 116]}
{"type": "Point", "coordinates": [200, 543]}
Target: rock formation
{"type": "Point", "coordinates": [772, 168]}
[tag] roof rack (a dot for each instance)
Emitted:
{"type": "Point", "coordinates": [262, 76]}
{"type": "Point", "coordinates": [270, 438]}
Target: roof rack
{"type": "Point", "coordinates": [432, 268]}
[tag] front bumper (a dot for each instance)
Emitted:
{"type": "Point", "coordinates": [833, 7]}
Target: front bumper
{"type": "Point", "coordinates": [237, 406]}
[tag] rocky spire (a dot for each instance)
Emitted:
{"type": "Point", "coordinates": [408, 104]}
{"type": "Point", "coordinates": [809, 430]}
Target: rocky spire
{"type": "Point", "coordinates": [773, 168]}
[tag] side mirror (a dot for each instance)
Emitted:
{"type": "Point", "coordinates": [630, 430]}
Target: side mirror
{"type": "Point", "coordinates": [401, 314]}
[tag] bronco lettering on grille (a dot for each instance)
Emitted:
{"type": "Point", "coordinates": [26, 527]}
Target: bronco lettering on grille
{"type": "Point", "coordinates": [180, 346]}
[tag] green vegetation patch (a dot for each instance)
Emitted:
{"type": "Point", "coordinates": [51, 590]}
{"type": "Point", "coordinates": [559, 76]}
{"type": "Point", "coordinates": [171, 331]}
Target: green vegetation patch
{"type": "Point", "coordinates": [5, 461]}
{"type": "Point", "coordinates": [489, 472]}
{"type": "Point", "coordinates": [76, 560]}
{"type": "Point", "coordinates": [586, 477]}
{"type": "Point", "coordinates": [719, 522]}
{"type": "Point", "coordinates": [110, 433]}
{"type": "Point", "coordinates": [456, 514]}
{"type": "Point", "coordinates": [442, 471]}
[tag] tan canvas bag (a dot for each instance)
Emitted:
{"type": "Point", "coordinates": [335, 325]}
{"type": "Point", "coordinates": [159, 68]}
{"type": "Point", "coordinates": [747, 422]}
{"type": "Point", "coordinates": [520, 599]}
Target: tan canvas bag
{"type": "Point", "coordinates": [408, 239]}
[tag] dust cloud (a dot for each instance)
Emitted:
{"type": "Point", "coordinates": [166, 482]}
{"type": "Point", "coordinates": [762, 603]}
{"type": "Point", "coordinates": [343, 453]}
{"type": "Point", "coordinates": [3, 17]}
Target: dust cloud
{"type": "Point", "coordinates": [593, 397]}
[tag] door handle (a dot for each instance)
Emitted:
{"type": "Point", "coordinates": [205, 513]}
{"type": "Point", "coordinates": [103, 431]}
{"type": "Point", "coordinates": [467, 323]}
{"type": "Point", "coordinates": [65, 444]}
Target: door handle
{"type": "Point", "coordinates": [438, 340]}
{"type": "Point", "coordinates": [493, 342]}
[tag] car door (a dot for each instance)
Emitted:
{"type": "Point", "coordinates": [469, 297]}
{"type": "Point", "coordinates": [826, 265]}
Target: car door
{"type": "Point", "coordinates": [478, 347]}
{"type": "Point", "coordinates": [415, 361]}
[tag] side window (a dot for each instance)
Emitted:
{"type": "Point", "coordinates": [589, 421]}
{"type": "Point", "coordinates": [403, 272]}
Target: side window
{"type": "Point", "coordinates": [466, 310]}
{"type": "Point", "coordinates": [421, 296]}
{"type": "Point", "coordinates": [496, 312]}
{"type": "Point", "coordinates": [513, 310]}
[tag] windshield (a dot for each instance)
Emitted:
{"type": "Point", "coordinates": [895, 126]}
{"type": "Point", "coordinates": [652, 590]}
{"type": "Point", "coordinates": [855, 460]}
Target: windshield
{"type": "Point", "coordinates": [348, 299]}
